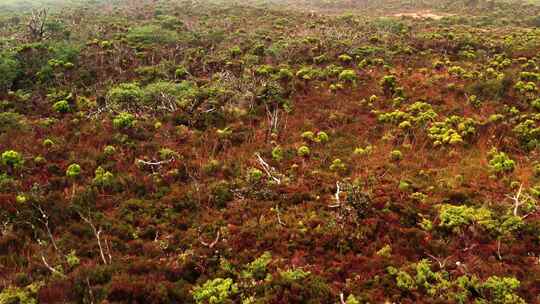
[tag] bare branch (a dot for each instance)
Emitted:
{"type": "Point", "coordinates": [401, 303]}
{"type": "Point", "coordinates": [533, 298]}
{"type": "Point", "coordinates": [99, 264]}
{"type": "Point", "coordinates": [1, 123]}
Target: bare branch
{"type": "Point", "coordinates": [520, 199]}
{"type": "Point", "coordinates": [267, 168]}
{"type": "Point", "coordinates": [342, 298]}
{"type": "Point", "coordinates": [51, 268]}
{"type": "Point", "coordinates": [279, 216]}
{"type": "Point", "coordinates": [155, 163]}
{"type": "Point", "coordinates": [36, 25]}
{"type": "Point", "coordinates": [441, 262]}
{"type": "Point", "coordinates": [97, 234]}
{"type": "Point", "coordinates": [210, 245]}
{"type": "Point", "coordinates": [336, 197]}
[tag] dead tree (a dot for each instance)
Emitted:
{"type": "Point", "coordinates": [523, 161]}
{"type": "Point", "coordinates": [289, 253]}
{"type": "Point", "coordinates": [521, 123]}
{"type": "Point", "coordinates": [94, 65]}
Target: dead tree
{"type": "Point", "coordinates": [104, 249]}
{"type": "Point", "coordinates": [36, 25]}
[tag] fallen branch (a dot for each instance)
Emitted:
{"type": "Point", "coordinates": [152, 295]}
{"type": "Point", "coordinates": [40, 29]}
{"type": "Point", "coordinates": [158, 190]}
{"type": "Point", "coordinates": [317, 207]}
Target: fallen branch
{"type": "Point", "coordinates": [154, 163]}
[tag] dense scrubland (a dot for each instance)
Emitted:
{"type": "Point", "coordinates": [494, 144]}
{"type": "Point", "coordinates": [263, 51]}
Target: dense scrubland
{"type": "Point", "coordinates": [269, 152]}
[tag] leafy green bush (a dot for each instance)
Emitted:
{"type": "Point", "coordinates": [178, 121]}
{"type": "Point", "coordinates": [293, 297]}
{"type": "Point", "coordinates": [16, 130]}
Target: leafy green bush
{"type": "Point", "coordinates": [500, 162]}
{"type": "Point", "coordinates": [124, 121]}
{"type": "Point", "coordinates": [389, 84]}
{"type": "Point", "coordinates": [73, 171]}
{"type": "Point", "coordinates": [151, 34]}
{"type": "Point", "coordinates": [501, 290]}
{"type": "Point", "coordinates": [103, 178]}
{"type": "Point", "coordinates": [452, 130]}
{"type": "Point", "coordinates": [12, 159]}
{"type": "Point", "coordinates": [277, 153]}
{"type": "Point", "coordinates": [216, 291]}
{"type": "Point", "coordinates": [338, 165]}
{"type": "Point", "coordinates": [258, 268]}
{"type": "Point", "coordinates": [62, 106]}
{"type": "Point", "coordinates": [528, 134]}
{"type": "Point", "coordinates": [125, 95]}
{"type": "Point", "coordinates": [17, 295]}
{"type": "Point", "coordinates": [345, 58]}
{"type": "Point", "coordinates": [455, 217]}
{"type": "Point", "coordinates": [164, 93]}
{"type": "Point", "coordinates": [254, 175]}
{"type": "Point", "coordinates": [396, 155]}
{"type": "Point", "coordinates": [303, 151]}
{"type": "Point", "coordinates": [9, 70]}
{"type": "Point", "coordinates": [235, 51]}
{"type": "Point", "coordinates": [348, 76]}
{"type": "Point", "coordinates": [10, 121]}
{"type": "Point", "coordinates": [363, 151]}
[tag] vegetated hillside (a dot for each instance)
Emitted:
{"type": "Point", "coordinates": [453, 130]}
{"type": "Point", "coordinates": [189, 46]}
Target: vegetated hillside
{"type": "Point", "coordinates": [211, 152]}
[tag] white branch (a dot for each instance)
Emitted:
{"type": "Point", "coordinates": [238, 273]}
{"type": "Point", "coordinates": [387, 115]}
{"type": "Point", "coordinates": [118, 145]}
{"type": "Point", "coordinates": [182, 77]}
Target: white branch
{"type": "Point", "coordinates": [210, 245]}
{"type": "Point", "coordinates": [156, 163]}
{"type": "Point", "coordinates": [336, 197]}
{"type": "Point", "coordinates": [267, 168]}
{"type": "Point", "coordinates": [51, 268]}
{"type": "Point", "coordinates": [97, 234]}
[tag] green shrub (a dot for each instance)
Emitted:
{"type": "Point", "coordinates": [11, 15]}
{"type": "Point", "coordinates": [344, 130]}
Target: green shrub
{"type": "Point", "coordinates": [151, 34]}
{"type": "Point", "coordinates": [363, 151]}
{"type": "Point", "coordinates": [293, 275]}
{"type": "Point", "coordinates": [396, 155]}
{"type": "Point", "coordinates": [103, 178]}
{"type": "Point", "coordinates": [257, 269]}
{"type": "Point", "coordinates": [285, 74]}
{"type": "Point", "coordinates": [277, 153]}
{"type": "Point", "coordinates": [452, 130]}
{"type": "Point", "coordinates": [166, 154]}
{"type": "Point", "coordinates": [62, 106]}
{"type": "Point", "coordinates": [348, 76]}
{"type": "Point", "coordinates": [216, 291]}
{"type": "Point", "coordinates": [526, 87]}
{"type": "Point", "coordinates": [72, 259]}
{"type": "Point", "coordinates": [308, 135]}
{"type": "Point", "coordinates": [345, 58]}
{"type": "Point", "coordinates": [501, 290]}
{"type": "Point", "coordinates": [254, 175]}
{"type": "Point", "coordinates": [9, 70]}
{"type": "Point", "coordinates": [10, 121]}
{"type": "Point", "coordinates": [322, 137]}
{"type": "Point", "coordinates": [12, 159]}
{"type": "Point", "coordinates": [162, 92]}
{"type": "Point", "coordinates": [18, 295]}
{"type": "Point", "coordinates": [109, 150]}
{"type": "Point", "coordinates": [73, 171]}
{"type": "Point", "coordinates": [303, 151]}
{"type": "Point", "coordinates": [338, 165]}
{"type": "Point", "coordinates": [528, 134]}
{"type": "Point", "coordinates": [500, 162]}
{"type": "Point", "coordinates": [455, 217]}
{"type": "Point", "coordinates": [124, 121]}
{"type": "Point", "coordinates": [389, 84]}
{"type": "Point", "coordinates": [235, 51]}
{"type": "Point", "coordinates": [125, 95]}
{"type": "Point", "coordinates": [405, 281]}
{"type": "Point", "coordinates": [48, 143]}
{"type": "Point", "coordinates": [181, 72]}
